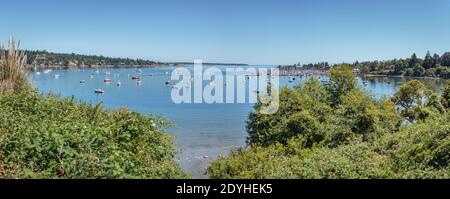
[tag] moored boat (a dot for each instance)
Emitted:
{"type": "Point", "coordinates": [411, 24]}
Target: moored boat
{"type": "Point", "coordinates": [99, 91]}
{"type": "Point", "coordinates": [47, 71]}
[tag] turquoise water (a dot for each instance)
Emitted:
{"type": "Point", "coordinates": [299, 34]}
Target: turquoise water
{"type": "Point", "coordinates": [202, 131]}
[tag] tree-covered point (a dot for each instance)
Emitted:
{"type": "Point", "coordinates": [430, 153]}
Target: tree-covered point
{"type": "Point", "coordinates": [339, 131]}
{"type": "Point", "coordinates": [430, 66]}
{"type": "Point", "coordinates": [49, 59]}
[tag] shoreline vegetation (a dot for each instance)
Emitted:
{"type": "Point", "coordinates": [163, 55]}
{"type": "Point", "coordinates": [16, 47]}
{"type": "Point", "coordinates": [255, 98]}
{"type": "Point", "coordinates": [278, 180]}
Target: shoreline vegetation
{"type": "Point", "coordinates": [436, 66]}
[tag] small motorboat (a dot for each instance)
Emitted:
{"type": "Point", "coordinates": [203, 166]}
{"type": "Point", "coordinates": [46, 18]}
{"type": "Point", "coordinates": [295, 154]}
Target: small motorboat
{"type": "Point", "coordinates": [47, 71]}
{"type": "Point", "coordinates": [167, 82]}
{"type": "Point", "coordinates": [139, 82]}
{"type": "Point", "coordinates": [119, 83]}
{"type": "Point", "coordinates": [56, 76]}
{"type": "Point", "coordinates": [135, 78]}
{"type": "Point", "coordinates": [82, 81]}
{"type": "Point", "coordinates": [107, 80]}
{"type": "Point", "coordinates": [38, 73]}
{"type": "Point", "coordinates": [99, 91]}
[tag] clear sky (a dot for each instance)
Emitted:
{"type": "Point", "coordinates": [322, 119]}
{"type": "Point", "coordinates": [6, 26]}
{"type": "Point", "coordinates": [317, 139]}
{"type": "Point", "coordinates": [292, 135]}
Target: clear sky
{"type": "Point", "coordinates": [239, 31]}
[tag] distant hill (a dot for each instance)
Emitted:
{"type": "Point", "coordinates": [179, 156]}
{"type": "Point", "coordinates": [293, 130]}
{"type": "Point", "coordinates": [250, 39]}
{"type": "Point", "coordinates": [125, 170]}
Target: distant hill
{"type": "Point", "coordinates": [50, 59]}
{"type": "Point", "coordinates": [45, 59]}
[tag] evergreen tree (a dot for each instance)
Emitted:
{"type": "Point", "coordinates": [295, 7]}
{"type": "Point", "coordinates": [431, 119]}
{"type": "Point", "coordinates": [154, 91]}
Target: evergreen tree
{"type": "Point", "coordinates": [413, 60]}
{"type": "Point", "coordinates": [436, 60]}
{"type": "Point", "coordinates": [428, 61]}
{"type": "Point", "coordinates": [445, 59]}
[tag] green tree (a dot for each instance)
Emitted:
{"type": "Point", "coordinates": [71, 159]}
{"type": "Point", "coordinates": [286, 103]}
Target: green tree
{"type": "Point", "coordinates": [399, 67]}
{"type": "Point", "coordinates": [445, 59]}
{"type": "Point", "coordinates": [342, 81]}
{"type": "Point", "coordinates": [436, 60]}
{"type": "Point", "coordinates": [418, 70]}
{"type": "Point", "coordinates": [410, 98]}
{"type": "Point", "coordinates": [428, 61]}
{"type": "Point", "coordinates": [413, 60]}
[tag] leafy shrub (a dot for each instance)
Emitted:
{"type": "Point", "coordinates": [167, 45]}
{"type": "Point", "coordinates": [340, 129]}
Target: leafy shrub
{"type": "Point", "coordinates": [446, 95]}
{"type": "Point", "coordinates": [49, 137]}
{"type": "Point", "coordinates": [421, 150]}
{"type": "Point", "coordinates": [410, 98]}
{"type": "Point", "coordinates": [277, 161]}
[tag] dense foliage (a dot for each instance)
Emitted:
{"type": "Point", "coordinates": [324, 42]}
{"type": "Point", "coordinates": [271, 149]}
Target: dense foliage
{"type": "Point", "coordinates": [430, 66]}
{"type": "Point", "coordinates": [49, 137]}
{"type": "Point", "coordinates": [338, 131]}
{"type": "Point", "coordinates": [330, 114]}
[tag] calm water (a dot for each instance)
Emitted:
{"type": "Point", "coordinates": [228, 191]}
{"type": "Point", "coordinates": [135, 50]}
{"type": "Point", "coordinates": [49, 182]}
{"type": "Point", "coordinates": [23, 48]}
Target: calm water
{"type": "Point", "coordinates": [202, 131]}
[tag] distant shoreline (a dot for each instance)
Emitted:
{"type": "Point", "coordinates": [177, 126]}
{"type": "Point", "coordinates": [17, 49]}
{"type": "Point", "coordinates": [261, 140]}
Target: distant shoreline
{"type": "Point", "coordinates": [50, 60]}
{"type": "Point", "coordinates": [136, 66]}
{"type": "Point", "coordinates": [402, 76]}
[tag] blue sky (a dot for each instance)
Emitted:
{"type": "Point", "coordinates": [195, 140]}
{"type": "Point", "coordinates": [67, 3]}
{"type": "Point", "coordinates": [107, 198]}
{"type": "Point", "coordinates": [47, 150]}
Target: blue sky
{"type": "Point", "coordinates": [239, 31]}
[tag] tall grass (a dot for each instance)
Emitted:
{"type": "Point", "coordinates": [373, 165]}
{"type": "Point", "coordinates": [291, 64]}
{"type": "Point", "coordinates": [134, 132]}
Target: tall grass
{"type": "Point", "coordinates": [13, 73]}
